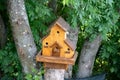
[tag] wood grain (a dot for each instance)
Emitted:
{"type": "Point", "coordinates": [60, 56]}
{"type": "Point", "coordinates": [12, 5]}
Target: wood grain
{"type": "Point", "coordinates": [57, 60]}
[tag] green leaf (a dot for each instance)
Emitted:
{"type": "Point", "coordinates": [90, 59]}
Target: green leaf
{"type": "Point", "coordinates": [65, 2]}
{"type": "Point", "coordinates": [28, 77]}
{"type": "Point", "coordinates": [109, 2]}
{"type": "Point", "coordinates": [112, 69]}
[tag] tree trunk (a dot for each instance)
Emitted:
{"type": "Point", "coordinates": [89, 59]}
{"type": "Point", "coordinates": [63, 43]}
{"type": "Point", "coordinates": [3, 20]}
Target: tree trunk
{"type": "Point", "coordinates": [87, 57]}
{"type": "Point", "coordinates": [53, 4]}
{"type": "Point", "coordinates": [68, 73]}
{"type": "Point", "coordinates": [3, 36]}
{"type": "Point", "coordinates": [54, 74]}
{"type": "Point", "coordinates": [22, 34]}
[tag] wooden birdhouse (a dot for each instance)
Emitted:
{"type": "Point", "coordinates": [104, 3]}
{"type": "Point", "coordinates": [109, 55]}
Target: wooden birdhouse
{"type": "Point", "coordinates": [58, 51]}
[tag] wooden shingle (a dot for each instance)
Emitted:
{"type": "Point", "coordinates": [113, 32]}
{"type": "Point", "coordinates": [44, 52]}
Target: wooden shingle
{"type": "Point", "coordinates": [62, 23]}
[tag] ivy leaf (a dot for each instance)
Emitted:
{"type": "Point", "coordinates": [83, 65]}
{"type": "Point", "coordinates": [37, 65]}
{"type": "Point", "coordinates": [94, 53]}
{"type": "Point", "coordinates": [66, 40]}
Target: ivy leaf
{"type": "Point", "coordinates": [65, 2]}
{"type": "Point", "coordinates": [112, 69]}
{"type": "Point", "coordinates": [28, 77]}
{"type": "Point", "coordinates": [109, 2]}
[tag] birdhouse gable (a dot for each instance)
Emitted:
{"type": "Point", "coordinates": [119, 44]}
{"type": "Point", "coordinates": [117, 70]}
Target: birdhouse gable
{"type": "Point", "coordinates": [63, 24]}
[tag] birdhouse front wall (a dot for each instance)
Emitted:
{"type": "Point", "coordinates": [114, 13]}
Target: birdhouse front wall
{"type": "Point", "coordinates": [57, 32]}
{"type": "Point", "coordinates": [65, 50]}
{"type": "Point", "coordinates": [55, 41]}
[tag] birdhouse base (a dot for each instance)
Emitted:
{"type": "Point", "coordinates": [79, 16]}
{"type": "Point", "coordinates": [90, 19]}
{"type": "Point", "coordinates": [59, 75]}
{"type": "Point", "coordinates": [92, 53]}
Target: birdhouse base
{"type": "Point", "coordinates": [55, 66]}
{"type": "Point", "coordinates": [56, 62]}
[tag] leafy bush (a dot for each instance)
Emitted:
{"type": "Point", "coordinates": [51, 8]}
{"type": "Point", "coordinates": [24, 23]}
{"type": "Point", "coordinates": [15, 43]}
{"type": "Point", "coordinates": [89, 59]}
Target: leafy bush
{"type": "Point", "coordinates": [108, 57]}
{"type": "Point", "coordinates": [10, 67]}
{"type": "Point", "coordinates": [40, 17]}
{"type": "Point", "coordinates": [35, 75]}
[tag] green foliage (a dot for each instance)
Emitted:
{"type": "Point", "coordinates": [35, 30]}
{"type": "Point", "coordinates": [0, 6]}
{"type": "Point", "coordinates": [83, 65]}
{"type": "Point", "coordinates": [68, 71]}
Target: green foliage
{"type": "Point", "coordinates": [40, 17]}
{"type": "Point", "coordinates": [109, 54]}
{"type": "Point", "coordinates": [2, 5]}
{"type": "Point", "coordinates": [35, 75]}
{"type": "Point", "coordinates": [93, 16]}
{"type": "Point", "coordinates": [10, 66]}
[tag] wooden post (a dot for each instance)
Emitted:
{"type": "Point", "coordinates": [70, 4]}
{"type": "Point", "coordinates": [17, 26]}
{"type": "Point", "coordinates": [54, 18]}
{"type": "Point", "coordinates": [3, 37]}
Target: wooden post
{"type": "Point", "coordinates": [54, 74]}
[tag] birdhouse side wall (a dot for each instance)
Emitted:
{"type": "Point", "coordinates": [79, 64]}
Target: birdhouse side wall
{"type": "Point", "coordinates": [66, 51]}
{"type": "Point", "coordinates": [69, 55]}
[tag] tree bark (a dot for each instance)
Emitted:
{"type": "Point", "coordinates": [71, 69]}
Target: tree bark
{"type": "Point", "coordinates": [68, 73]}
{"type": "Point", "coordinates": [3, 36]}
{"type": "Point", "coordinates": [22, 34]}
{"type": "Point", "coordinates": [53, 4]}
{"type": "Point", "coordinates": [54, 74]}
{"type": "Point", "coordinates": [87, 57]}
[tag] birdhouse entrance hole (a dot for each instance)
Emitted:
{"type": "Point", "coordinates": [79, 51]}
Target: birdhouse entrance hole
{"type": "Point", "coordinates": [56, 51]}
{"type": "Point", "coordinates": [56, 48]}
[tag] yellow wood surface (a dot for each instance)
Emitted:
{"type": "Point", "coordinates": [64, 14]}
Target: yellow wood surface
{"type": "Point", "coordinates": [56, 35]}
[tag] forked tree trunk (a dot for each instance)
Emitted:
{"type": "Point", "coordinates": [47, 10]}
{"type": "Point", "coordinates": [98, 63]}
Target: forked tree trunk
{"type": "Point", "coordinates": [87, 57]}
{"type": "Point", "coordinates": [23, 38]}
{"type": "Point", "coordinates": [2, 33]}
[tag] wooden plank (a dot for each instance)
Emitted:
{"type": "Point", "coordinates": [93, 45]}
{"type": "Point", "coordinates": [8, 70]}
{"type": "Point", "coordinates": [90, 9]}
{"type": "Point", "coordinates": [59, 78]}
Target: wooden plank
{"type": "Point", "coordinates": [58, 60]}
{"type": "Point", "coordinates": [54, 60]}
{"type": "Point", "coordinates": [55, 66]}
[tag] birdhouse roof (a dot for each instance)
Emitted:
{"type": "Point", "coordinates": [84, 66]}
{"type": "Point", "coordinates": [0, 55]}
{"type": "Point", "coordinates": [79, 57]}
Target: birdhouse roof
{"type": "Point", "coordinates": [70, 44]}
{"type": "Point", "coordinates": [62, 24]}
